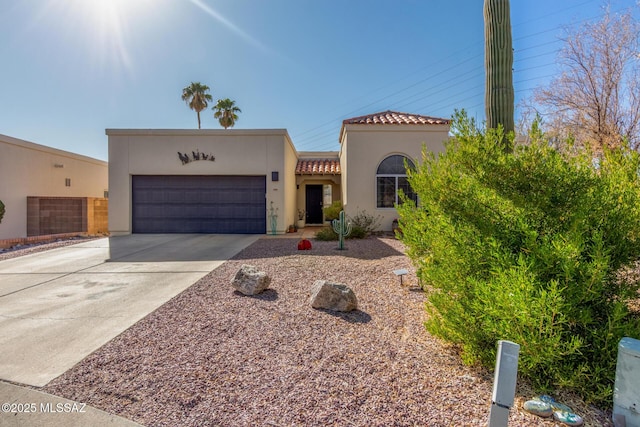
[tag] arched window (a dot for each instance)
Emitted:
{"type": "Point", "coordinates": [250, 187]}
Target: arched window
{"type": "Point", "coordinates": [391, 176]}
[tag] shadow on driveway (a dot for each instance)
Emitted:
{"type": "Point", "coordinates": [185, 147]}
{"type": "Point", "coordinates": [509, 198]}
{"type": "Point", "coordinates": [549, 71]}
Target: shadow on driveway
{"type": "Point", "coordinates": [177, 247]}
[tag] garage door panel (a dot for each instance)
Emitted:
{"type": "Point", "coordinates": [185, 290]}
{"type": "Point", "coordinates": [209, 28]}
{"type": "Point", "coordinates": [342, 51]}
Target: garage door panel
{"type": "Point", "coordinates": [171, 211]}
{"type": "Point", "coordinates": [209, 211]}
{"type": "Point", "coordinates": [199, 204]}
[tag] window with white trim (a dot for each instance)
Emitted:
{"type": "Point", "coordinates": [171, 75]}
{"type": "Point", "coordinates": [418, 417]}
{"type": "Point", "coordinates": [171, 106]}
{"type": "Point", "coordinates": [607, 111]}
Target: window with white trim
{"type": "Point", "coordinates": [391, 176]}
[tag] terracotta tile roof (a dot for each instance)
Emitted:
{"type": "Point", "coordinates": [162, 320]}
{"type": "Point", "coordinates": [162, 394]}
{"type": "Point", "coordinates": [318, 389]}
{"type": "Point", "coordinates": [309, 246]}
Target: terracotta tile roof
{"type": "Point", "coordinates": [395, 118]}
{"type": "Point", "coordinates": [318, 167]}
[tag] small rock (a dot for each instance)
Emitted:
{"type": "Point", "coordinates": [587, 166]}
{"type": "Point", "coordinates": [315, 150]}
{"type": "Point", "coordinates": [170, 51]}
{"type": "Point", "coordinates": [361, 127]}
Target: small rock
{"type": "Point", "coordinates": [250, 281]}
{"type": "Point", "coordinates": [538, 407]}
{"type": "Point", "coordinates": [332, 296]}
{"type": "Point", "coordinates": [555, 405]}
{"type": "Point", "coordinates": [568, 418]}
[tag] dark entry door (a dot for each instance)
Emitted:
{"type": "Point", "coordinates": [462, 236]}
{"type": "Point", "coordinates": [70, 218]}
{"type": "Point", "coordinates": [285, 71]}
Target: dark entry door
{"type": "Point", "coordinates": [314, 204]}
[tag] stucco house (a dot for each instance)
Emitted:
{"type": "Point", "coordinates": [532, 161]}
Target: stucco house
{"type": "Point", "coordinates": [47, 191]}
{"type": "Point", "coordinates": [255, 181]}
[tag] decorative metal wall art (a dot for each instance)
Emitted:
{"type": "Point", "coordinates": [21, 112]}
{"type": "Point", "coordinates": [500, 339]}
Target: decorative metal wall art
{"type": "Point", "coordinates": [195, 156]}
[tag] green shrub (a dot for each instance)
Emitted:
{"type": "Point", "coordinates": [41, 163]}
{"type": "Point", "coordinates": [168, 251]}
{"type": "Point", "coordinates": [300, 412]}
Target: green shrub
{"type": "Point", "coordinates": [357, 233]}
{"type": "Point", "coordinates": [526, 246]}
{"type": "Point", "coordinates": [332, 212]}
{"type": "Point", "coordinates": [1, 210]}
{"type": "Point", "coordinates": [326, 234]}
{"type": "Point", "coordinates": [363, 224]}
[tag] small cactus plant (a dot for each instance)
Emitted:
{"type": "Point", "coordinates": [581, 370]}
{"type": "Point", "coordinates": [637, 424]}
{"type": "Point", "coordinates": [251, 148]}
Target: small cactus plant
{"type": "Point", "coordinates": [342, 229]}
{"type": "Point", "coordinates": [273, 218]}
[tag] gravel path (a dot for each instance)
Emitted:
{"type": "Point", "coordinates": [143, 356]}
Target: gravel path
{"type": "Point", "coordinates": [212, 357]}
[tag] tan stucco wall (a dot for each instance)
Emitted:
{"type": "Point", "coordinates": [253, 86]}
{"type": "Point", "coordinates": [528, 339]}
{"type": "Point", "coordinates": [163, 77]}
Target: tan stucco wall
{"type": "Point", "coordinates": [289, 184]}
{"type": "Point", "coordinates": [236, 151]}
{"type": "Point", "coordinates": [363, 147]}
{"type": "Point", "coordinates": [344, 167]}
{"type": "Point", "coordinates": [28, 169]}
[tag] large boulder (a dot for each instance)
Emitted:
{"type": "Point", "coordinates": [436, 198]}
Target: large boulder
{"type": "Point", "coordinates": [332, 296]}
{"type": "Point", "coordinates": [250, 281]}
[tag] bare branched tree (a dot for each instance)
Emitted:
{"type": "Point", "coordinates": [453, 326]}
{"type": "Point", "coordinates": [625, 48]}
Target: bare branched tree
{"type": "Point", "coordinates": [596, 100]}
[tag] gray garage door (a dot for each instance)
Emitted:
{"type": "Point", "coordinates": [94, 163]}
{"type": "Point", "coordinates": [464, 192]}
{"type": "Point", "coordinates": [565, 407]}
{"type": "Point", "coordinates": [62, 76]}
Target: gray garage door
{"type": "Point", "coordinates": [199, 204]}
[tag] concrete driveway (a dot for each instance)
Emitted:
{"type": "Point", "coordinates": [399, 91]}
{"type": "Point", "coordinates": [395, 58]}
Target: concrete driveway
{"type": "Point", "coordinates": [58, 306]}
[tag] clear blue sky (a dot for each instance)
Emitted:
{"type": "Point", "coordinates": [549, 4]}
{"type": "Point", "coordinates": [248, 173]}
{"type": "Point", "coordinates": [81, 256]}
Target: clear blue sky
{"type": "Point", "coordinates": [72, 68]}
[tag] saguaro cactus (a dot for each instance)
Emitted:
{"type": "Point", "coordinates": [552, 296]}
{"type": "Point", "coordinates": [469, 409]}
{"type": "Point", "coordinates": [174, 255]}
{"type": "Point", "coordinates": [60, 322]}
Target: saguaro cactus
{"type": "Point", "coordinates": [498, 62]}
{"type": "Point", "coordinates": [342, 229]}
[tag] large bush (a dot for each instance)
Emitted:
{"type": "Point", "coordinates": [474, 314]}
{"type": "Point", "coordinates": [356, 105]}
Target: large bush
{"type": "Point", "coordinates": [527, 246]}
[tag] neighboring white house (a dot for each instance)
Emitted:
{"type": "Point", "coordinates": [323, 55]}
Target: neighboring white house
{"type": "Point", "coordinates": [57, 184]}
{"type": "Point", "coordinates": [254, 181]}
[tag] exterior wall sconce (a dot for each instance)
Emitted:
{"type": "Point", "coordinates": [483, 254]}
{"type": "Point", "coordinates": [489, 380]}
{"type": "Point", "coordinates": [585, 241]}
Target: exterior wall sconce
{"type": "Point", "coordinates": [275, 176]}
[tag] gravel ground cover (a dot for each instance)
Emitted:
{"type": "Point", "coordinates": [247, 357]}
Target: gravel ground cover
{"type": "Point", "coordinates": [213, 357]}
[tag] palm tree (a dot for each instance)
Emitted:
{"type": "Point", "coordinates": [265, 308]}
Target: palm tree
{"type": "Point", "coordinates": [225, 112]}
{"type": "Point", "coordinates": [196, 97]}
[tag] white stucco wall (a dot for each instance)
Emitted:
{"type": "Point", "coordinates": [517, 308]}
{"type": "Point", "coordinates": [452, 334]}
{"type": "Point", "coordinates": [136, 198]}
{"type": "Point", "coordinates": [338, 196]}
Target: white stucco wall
{"type": "Point", "coordinates": [363, 147]}
{"type": "Point", "coordinates": [28, 169]}
{"type": "Point", "coordinates": [236, 151]}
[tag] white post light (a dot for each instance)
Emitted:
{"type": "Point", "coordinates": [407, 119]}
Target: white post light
{"type": "Point", "coordinates": [504, 383]}
{"type": "Point", "coordinates": [626, 393]}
